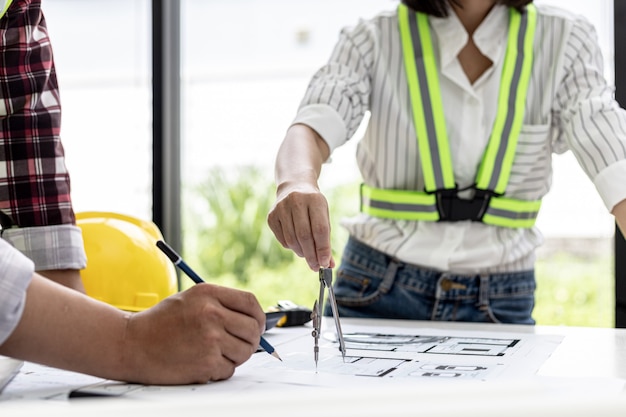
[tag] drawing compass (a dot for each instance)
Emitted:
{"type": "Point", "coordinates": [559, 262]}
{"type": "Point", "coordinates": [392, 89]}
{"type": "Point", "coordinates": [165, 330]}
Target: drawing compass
{"type": "Point", "coordinates": [326, 282]}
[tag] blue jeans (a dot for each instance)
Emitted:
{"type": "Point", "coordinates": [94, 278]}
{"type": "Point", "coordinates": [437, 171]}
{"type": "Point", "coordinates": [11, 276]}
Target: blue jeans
{"type": "Point", "coordinates": [372, 284]}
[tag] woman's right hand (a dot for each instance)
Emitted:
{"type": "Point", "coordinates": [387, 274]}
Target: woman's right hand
{"type": "Point", "coordinates": [301, 222]}
{"type": "Point", "coordinates": [300, 219]}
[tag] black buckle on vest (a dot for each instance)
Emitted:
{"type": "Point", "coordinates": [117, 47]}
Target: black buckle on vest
{"type": "Point", "coordinates": [451, 208]}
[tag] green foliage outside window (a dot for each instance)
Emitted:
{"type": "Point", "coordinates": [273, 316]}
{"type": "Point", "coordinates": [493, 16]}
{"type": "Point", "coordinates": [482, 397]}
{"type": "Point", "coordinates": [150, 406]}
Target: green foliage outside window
{"type": "Point", "coordinates": [230, 226]}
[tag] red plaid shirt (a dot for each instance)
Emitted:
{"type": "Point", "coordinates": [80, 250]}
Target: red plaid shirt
{"type": "Point", "coordinates": [34, 182]}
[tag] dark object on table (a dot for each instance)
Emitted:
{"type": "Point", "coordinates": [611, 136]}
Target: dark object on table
{"type": "Point", "coordinates": [294, 315]}
{"type": "Point", "coordinates": [272, 318]}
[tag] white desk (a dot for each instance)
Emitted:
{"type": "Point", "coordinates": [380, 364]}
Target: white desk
{"type": "Point", "coordinates": [583, 374]}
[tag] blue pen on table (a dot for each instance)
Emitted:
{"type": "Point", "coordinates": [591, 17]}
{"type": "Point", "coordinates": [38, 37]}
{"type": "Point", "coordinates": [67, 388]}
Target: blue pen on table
{"type": "Point", "coordinates": [178, 261]}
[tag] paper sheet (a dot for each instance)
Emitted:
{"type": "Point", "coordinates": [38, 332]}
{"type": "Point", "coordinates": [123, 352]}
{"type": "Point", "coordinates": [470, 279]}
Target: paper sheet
{"type": "Point", "coordinates": [375, 355]}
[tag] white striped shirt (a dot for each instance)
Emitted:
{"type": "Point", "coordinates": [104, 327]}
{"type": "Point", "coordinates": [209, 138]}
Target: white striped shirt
{"type": "Point", "coordinates": [569, 107]}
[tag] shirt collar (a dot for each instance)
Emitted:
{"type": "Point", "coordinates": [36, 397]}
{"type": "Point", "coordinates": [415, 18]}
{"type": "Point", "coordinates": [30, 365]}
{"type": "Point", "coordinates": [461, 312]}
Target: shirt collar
{"type": "Point", "coordinates": [490, 37]}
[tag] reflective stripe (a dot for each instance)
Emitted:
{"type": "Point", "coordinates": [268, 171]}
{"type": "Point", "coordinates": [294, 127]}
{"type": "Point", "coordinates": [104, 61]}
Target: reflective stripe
{"type": "Point", "coordinates": [398, 204]}
{"type": "Point", "coordinates": [508, 212]}
{"type": "Point", "coordinates": [428, 118]}
{"type": "Point", "coordinates": [495, 168]}
{"type": "Point", "coordinates": [4, 7]}
{"type": "Point", "coordinates": [414, 205]}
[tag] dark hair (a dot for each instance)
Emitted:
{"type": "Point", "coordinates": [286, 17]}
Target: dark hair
{"type": "Point", "coordinates": [440, 8]}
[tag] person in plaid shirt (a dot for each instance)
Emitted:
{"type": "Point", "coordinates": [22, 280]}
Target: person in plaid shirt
{"type": "Point", "coordinates": [35, 205]}
{"type": "Point", "coordinates": [197, 335]}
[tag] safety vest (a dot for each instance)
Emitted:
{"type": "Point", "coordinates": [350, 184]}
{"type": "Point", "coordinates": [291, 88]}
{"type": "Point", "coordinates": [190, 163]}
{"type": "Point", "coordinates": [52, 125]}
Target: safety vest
{"type": "Point", "coordinates": [439, 201]}
{"type": "Point", "coordinates": [4, 5]}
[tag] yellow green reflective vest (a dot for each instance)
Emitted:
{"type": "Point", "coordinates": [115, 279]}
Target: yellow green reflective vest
{"type": "Point", "coordinates": [439, 201]}
{"type": "Point", "coordinates": [4, 5]}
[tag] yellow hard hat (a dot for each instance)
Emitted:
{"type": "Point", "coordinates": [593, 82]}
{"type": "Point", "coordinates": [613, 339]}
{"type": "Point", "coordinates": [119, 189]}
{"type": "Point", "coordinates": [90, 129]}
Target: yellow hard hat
{"type": "Point", "coordinates": [124, 266]}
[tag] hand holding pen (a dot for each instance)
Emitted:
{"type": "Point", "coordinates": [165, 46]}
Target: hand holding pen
{"type": "Point", "coordinates": [201, 334]}
{"type": "Point", "coordinates": [178, 261]}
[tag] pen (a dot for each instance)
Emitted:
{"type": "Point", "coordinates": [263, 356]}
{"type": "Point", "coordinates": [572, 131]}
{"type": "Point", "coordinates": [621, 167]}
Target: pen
{"type": "Point", "coordinates": [178, 261]}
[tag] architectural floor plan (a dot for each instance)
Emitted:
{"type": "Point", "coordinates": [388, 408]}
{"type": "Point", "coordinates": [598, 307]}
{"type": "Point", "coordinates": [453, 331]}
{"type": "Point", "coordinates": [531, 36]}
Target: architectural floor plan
{"type": "Point", "coordinates": [374, 355]}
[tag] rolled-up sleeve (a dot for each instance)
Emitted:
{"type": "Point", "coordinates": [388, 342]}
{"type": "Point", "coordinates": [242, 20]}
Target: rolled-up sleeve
{"type": "Point", "coordinates": [16, 271]}
{"type": "Point", "coordinates": [50, 247]}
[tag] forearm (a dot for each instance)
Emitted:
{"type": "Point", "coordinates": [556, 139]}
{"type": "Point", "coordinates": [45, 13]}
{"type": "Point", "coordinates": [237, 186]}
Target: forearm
{"type": "Point", "coordinates": [619, 211]}
{"type": "Point", "coordinates": [300, 218]}
{"type": "Point", "coordinates": [67, 277]}
{"type": "Point", "coordinates": [300, 158]}
{"type": "Point", "coordinates": [66, 329]}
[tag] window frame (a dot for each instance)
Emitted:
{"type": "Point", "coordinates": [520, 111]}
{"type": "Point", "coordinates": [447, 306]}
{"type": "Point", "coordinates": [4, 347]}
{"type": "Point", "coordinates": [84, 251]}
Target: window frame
{"type": "Point", "coordinates": [619, 16]}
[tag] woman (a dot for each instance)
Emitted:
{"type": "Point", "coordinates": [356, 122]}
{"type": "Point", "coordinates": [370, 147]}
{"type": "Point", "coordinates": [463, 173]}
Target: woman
{"type": "Point", "coordinates": [468, 100]}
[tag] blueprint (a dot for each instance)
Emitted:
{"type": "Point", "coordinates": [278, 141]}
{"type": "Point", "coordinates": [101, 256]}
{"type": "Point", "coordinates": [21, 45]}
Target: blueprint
{"type": "Point", "coordinates": [373, 355]}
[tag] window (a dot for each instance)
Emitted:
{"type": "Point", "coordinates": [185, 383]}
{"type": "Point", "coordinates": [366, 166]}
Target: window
{"type": "Point", "coordinates": [245, 66]}
{"type": "Point", "coordinates": [102, 53]}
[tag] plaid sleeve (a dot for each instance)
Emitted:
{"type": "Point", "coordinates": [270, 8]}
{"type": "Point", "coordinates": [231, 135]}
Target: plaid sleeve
{"type": "Point", "coordinates": [34, 182]}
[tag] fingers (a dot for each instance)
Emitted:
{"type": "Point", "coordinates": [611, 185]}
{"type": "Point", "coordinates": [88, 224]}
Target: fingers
{"type": "Point", "coordinates": [237, 347]}
{"type": "Point", "coordinates": [233, 322]}
{"type": "Point", "coordinates": [320, 230]}
{"type": "Point", "coordinates": [300, 222]}
{"type": "Point", "coordinates": [234, 335]}
{"type": "Point", "coordinates": [286, 217]}
{"type": "Point", "coordinates": [198, 335]}
{"type": "Point", "coordinates": [240, 306]}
